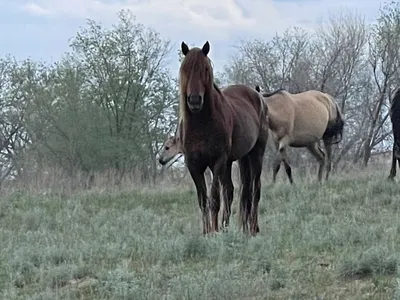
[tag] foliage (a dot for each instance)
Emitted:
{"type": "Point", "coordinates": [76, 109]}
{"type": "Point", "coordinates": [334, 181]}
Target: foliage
{"type": "Point", "coordinates": [107, 104]}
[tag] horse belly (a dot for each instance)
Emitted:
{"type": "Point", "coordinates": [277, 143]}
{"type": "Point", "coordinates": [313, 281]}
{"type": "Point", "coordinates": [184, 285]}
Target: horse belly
{"type": "Point", "coordinates": [305, 137]}
{"type": "Point", "coordinates": [242, 143]}
{"type": "Point", "coordinates": [308, 130]}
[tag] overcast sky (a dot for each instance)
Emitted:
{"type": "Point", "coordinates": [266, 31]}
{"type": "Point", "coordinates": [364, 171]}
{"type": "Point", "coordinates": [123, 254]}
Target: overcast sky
{"type": "Point", "coordinates": [40, 29]}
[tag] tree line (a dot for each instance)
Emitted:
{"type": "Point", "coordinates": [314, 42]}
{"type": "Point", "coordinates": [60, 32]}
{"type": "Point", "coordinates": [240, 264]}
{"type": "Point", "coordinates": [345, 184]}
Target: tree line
{"type": "Point", "coordinates": [107, 104]}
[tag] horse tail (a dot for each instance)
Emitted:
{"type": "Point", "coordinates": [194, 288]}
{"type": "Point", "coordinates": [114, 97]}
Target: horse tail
{"type": "Point", "coordinates": [266, 95]}
{"type": "Point", "coordinates": [334, 131]}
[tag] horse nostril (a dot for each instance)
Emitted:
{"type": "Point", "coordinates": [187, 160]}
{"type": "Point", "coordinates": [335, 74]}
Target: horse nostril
{"type": "Point", "coordinates": [194, 99]}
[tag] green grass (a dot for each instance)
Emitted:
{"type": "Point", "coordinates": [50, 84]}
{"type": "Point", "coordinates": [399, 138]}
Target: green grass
{"type": "Point", "coordinates": [340, 240]}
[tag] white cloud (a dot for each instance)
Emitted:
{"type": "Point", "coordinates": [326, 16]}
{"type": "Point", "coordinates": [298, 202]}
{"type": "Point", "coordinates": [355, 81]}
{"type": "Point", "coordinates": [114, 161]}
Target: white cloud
{"type": "Point", "coordinates": [35, 9]}
{"type": "Point", "coordinates": [218, 21]}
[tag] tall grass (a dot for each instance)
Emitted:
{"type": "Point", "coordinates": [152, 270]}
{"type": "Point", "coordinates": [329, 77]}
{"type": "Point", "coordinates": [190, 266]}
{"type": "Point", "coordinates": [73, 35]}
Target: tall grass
{"type": "Point", "coordinates": [338, 240]}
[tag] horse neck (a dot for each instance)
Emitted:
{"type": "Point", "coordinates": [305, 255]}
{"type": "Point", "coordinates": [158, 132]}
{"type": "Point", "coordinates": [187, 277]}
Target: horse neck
{"type": "Point", "coordinates": [215, 101]}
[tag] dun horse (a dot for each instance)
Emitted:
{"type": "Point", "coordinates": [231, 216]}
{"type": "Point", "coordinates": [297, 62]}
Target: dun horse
{"type": "Point", "coordinates": [302, 120]}
{"type": "Point", "coordinates": [219, 127]}
{"type": "Point", "coordinates": [395, 119]}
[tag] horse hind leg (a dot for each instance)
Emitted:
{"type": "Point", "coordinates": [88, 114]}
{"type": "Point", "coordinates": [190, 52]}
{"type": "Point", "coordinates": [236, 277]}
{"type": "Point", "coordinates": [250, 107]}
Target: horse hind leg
{"type": "Point", "coordinates": [228, 189]}
{"type": "Point", "coordinates": [256, 158]}
{"type": "Point", "coordinates": [395, 158]}
{"type": "Point", "coordinates": [245, 190]}
{"type": "Point", "coordinates": [317, 152]}
{"type": "Point", "coordinates": [328, 149]}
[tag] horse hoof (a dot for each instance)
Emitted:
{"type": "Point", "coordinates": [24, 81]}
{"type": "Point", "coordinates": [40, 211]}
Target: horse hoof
{"type": "Point", "coordinates": [224, 228]}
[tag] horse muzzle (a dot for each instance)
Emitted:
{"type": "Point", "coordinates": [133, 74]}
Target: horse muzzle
{"type": "Point", "coordinates": [195, 103]}
{"type": "Point", "coordinates": [162, 161]}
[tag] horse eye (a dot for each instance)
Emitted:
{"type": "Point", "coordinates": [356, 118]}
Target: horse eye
{"type": "Point", "coordinates": [166, 148]}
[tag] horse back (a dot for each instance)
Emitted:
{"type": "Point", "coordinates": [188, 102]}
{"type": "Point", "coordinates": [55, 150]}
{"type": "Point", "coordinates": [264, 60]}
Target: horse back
{"type": "Point", "coordinates": [242, 95]}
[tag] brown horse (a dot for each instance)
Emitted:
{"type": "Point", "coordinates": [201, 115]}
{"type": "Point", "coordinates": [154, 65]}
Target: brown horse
{"type": "Point", "coordinates": [302, 120]}
{"type": "Point", "coordinates": [217, 128]}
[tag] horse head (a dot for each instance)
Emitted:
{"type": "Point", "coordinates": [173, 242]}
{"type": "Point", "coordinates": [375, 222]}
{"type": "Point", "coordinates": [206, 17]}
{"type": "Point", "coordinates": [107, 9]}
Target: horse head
{"type": "Point", "coordinates": [170, 149]}
{"type": "Point", "coordinates": [196, 76]}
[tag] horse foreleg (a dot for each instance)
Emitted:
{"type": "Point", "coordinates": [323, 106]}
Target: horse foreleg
{"type": "Point", "coordinates": [277, 162]}
{"type": "Point", "coordinates": [282, 146]}
{"type": "Point", "coordinates": [288, 168]}
{"type": "Point", "coordinates": [197, 175]}
{"type": "Point", "coordinates": [219, 170]}
{"type": "Point", "coordinates": [276, 167]}
{"type": "Point", "coordinates": [392, 174]}
{"type": "Point", "coordinates": [228, 189]}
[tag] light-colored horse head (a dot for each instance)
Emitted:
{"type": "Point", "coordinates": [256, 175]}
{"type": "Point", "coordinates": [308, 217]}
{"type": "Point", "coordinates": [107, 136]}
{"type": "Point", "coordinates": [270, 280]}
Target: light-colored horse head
{"type": "Point", "coordinates": [170, 149]}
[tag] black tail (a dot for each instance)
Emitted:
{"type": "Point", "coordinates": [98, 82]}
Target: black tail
{"type": "Point", "coordinates": [334, 131]}
{"type": "Point", "coordinates": [266, 95]}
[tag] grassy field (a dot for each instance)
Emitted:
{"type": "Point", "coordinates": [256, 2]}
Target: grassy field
{"type": "Point", "coordinates": [340, 240]}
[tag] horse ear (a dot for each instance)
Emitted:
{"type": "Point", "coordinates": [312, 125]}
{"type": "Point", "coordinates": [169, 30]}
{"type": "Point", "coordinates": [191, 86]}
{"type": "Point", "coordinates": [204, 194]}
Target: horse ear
{"type": "Point", "coordinates": [184, 48]}
{"type": "Point", "coordinates": [258, 88]}
{"type": "Point", "coordinates": [206, 48]}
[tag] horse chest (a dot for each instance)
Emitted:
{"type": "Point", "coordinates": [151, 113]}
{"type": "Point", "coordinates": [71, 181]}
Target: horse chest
{"type": "Point", "coordinates": [209, 143]}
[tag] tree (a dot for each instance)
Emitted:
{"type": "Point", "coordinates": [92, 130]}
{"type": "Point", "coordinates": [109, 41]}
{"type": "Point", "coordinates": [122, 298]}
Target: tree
{"type": "Point", "coordinates": [384, 59]}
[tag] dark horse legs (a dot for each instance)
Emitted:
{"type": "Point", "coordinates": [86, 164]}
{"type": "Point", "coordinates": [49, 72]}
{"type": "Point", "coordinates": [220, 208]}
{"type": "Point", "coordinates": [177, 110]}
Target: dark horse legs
{"type": "Point", "coordinates": [317, 152]}
{"type": "Point", "coordinates": [245, 193]}
{"type": "Point", "coordinates": [395, 159]}
{"type": "Point", "coordinates": [256, 157]}
{"type": "Point", "coordinates": [201, 188]}
{"type": "Point", "coordinates": [282, 156]}
{"type": "Point", "coordinates": [328, 150]}
{"type": "Point", "coordinates": [250, 172]}
{"type": "Point", "coordinates": [227, 186]}
{"type": "Point", "coordinates": [219, 169]}
{"type": "Point", "coordinates": [220, 172]}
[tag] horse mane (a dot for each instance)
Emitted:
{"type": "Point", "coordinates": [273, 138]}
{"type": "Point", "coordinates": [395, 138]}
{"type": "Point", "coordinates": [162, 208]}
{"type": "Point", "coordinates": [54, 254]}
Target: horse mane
{"type": "Point", "coordinates": [266, 95]}
{"type": "Point", "coordinates": [258, 89]}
